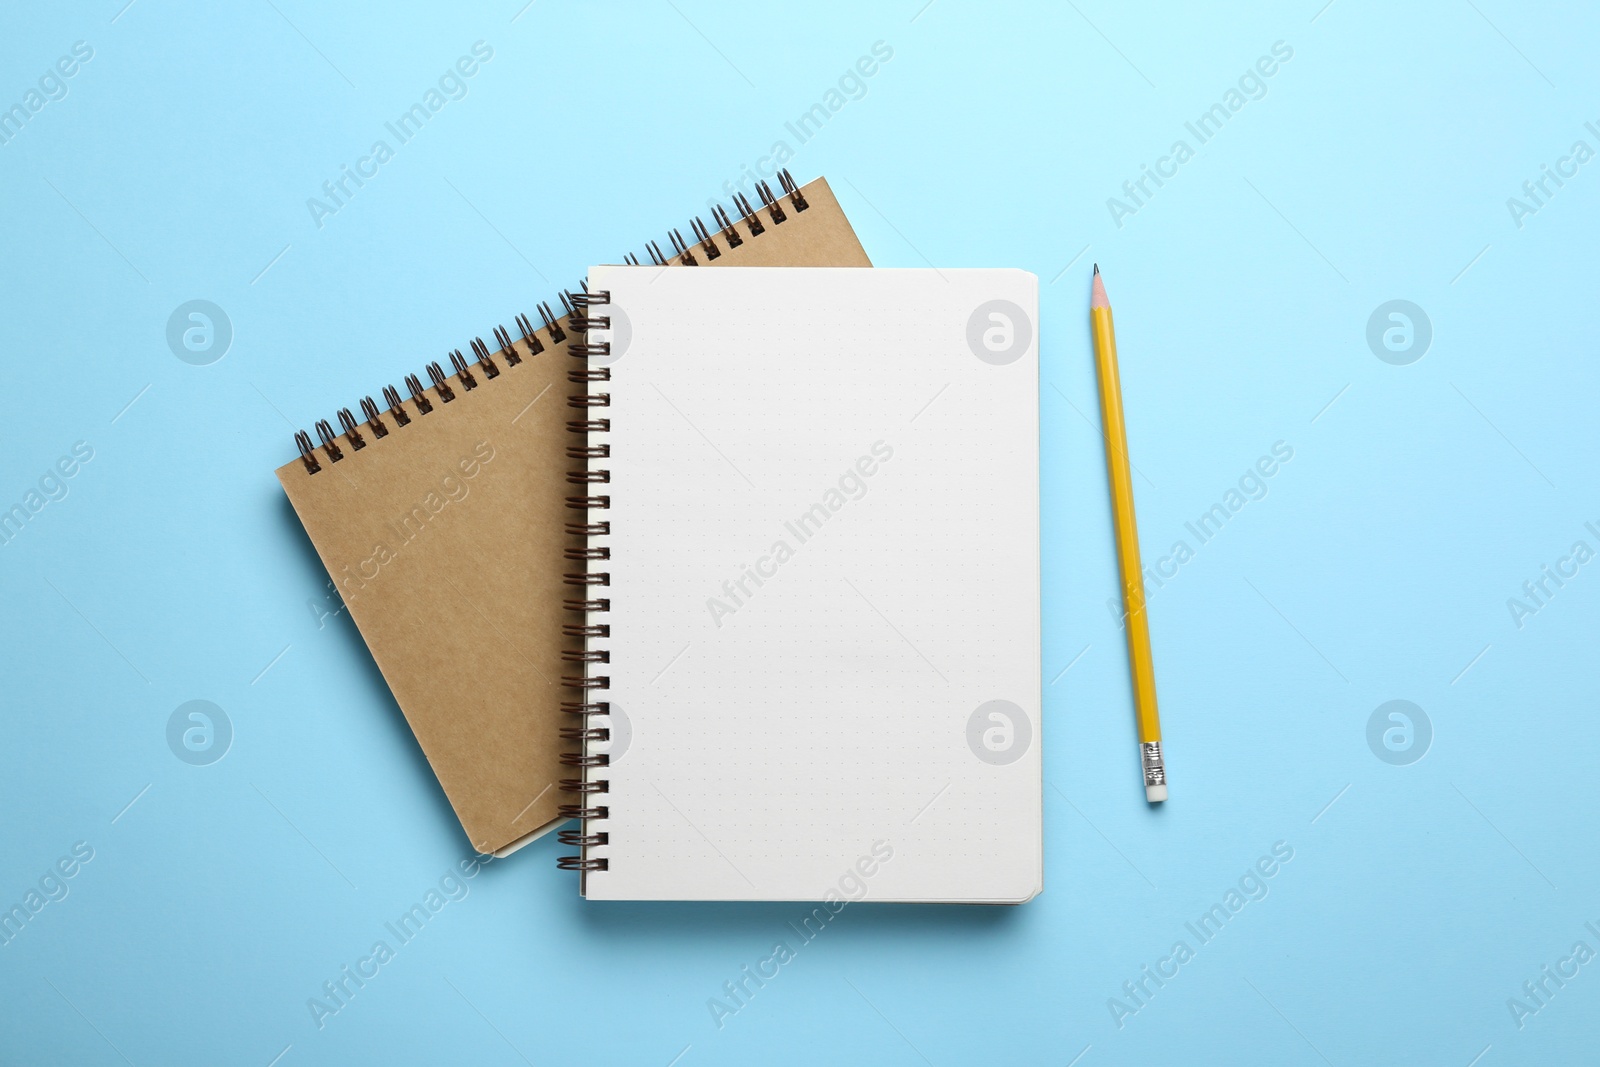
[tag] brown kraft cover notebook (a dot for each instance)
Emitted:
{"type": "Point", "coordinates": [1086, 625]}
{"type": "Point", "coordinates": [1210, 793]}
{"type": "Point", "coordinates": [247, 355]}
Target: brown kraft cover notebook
{"type": "Point", "coordinates": [473, 467]}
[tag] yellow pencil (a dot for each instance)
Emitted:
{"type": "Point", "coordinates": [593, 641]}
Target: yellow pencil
{"type": "Point", "coordinates": [1140, 665]}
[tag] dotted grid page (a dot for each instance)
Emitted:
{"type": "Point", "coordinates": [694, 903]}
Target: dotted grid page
{"type": "Point", "coordinates": [824, 649]}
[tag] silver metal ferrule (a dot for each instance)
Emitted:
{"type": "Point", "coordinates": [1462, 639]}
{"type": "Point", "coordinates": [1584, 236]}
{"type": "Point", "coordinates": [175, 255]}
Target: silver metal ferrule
{"type": "Point", "coordinates": [1155, 771]}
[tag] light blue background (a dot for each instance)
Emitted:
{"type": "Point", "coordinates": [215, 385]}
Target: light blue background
{"type": "Point", "coordinates": [1419, 499]}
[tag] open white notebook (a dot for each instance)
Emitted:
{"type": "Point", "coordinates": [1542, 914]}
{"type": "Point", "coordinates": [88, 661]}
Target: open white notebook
{"type": "Point", "coordinates": [813, 660]}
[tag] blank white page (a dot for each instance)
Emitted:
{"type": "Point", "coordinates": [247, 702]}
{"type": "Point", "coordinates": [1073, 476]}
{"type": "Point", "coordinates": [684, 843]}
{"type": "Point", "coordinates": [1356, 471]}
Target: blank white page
{"type": "Point", "coordinates": [824, 585]}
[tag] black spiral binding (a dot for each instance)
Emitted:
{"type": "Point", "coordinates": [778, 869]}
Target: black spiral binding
{"type": "Point", "coordinates": [585, 605]}
{"type": "Point", "coordinates": [466, 374]}
{"type": "Point", "coordinates": [573, 304]}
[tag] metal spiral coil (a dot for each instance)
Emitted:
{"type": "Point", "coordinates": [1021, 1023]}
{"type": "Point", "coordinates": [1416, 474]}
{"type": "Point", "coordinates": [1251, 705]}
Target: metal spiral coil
{"type": "Point", "coordinates": [709, 244]}
{"type": "Point", "coordinates": [587, 686]}
{"type": "Point", "coordinates": [348, 421]}
{"type": "Point", "coordinates": [374, 420]}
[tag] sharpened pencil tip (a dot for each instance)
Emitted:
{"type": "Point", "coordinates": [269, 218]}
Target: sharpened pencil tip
{"type": "Point", "coordinates": [1097, 296]}
{"type": "Point", "coordinates": [1097, 268]}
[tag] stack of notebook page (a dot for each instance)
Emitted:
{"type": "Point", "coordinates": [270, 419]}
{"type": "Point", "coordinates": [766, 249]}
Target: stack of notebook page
{"type": "Point", "coordinates": [754, 597]}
